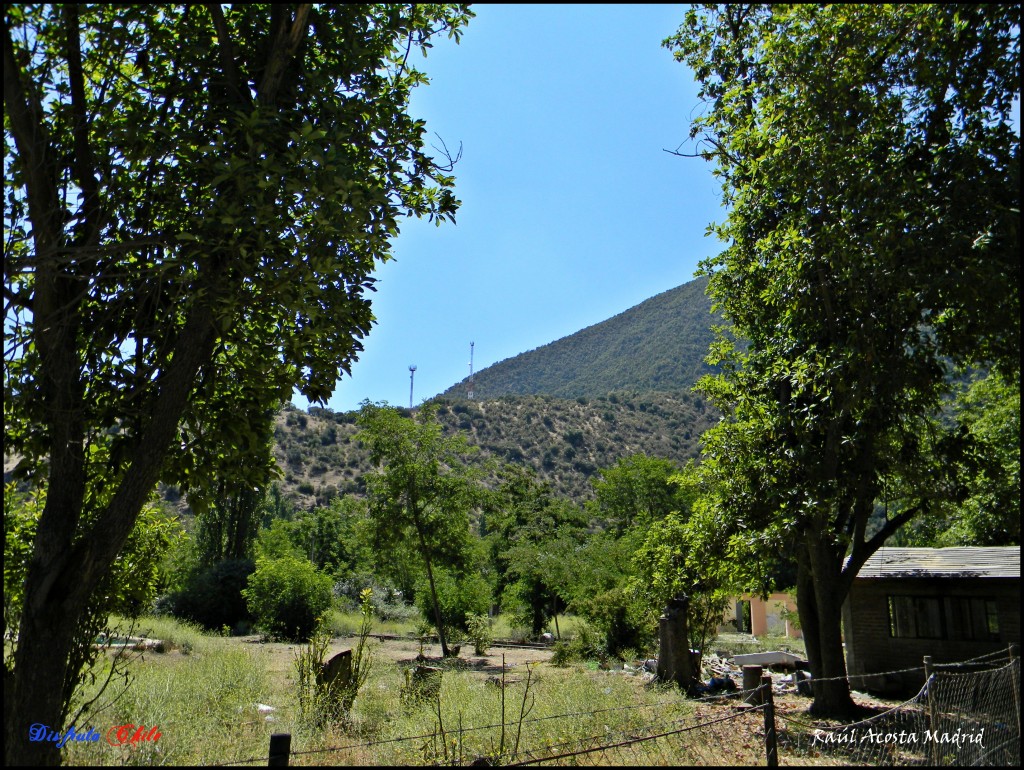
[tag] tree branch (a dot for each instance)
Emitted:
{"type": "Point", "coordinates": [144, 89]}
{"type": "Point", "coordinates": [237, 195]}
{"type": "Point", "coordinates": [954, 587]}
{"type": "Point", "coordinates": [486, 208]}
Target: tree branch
{"type": "Point", "coordinates": [28, 128]}
{"type": "Point", "coordinates": [286, 43]}
{"type": "Point", "coordinates": [83, 157]}
{"type": "Point", "coordinates": [227, 55]}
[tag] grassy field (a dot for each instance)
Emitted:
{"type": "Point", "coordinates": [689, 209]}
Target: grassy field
{"type": "Point", "coordinates": [205, 697]}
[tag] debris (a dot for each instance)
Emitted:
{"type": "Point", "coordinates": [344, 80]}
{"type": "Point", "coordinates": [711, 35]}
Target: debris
{"type": "Point", "coordinates": [775, 658]}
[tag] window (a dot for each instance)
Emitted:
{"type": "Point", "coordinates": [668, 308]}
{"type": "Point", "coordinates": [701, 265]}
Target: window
{"type": "Point", "coordinates": [915, 617]}
{"type": "Point", "coordinates": [951, 617]}
{"type": "Point", "coordinates": [969, 618]}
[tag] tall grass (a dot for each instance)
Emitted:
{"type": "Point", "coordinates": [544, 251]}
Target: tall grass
{"type": "Point", "coordinates": [468, 702]}
{"type": "Point", "coordinates": [203, 704]}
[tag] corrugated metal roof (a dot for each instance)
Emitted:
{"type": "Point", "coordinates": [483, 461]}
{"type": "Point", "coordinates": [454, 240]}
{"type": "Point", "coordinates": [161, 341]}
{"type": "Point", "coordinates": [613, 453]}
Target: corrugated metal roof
{"type": "Point", "coordinates": [995, 562]}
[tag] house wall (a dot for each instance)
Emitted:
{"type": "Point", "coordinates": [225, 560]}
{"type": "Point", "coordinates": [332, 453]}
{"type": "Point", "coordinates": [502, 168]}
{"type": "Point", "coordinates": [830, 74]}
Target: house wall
{"type": "Point", "coordinates": [766, 616]}
{"type": "Point", "coordinates": [871, 649]}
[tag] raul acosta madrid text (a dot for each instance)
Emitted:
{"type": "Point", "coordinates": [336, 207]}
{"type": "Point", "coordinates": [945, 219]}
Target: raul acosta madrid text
{"type": "Point", "coordinates": [903, 737]}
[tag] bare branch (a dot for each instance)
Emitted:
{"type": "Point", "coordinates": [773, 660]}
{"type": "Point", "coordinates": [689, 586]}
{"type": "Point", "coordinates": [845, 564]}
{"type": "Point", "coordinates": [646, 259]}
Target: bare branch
{"type": "Point", "coordinates": [443, 149]}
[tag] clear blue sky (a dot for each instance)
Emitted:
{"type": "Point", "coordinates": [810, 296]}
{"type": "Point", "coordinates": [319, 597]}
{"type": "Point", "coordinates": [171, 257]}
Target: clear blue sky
{"type": "Point", "coordinates": [571, 210]}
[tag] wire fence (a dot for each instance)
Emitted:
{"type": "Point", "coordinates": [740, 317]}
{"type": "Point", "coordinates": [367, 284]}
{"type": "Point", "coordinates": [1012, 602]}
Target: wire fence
{"type": "Point", "coordinates": [966, 714]}
{"type": "Point", "coordinates": [958, 719]}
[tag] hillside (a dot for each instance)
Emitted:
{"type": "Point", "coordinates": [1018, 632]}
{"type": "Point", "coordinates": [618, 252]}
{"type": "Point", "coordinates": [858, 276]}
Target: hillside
{"type": "Point", "coordinates": [566, 409]}
{"type": "Point", "coordinates": [565, 441]}
{"type": "Point", "coordinates": [658, 345]}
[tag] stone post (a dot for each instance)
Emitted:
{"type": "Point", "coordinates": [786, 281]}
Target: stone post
{"type": "Point", "coordinates": [674, 661]}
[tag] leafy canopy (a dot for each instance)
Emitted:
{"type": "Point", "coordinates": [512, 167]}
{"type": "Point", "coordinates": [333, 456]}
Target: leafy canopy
{"type": "Point", "coordinates": [872, 177]}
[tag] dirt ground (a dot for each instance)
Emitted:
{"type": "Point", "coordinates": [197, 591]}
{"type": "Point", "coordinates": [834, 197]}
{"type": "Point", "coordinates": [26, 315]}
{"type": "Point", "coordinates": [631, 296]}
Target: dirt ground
{"type": "Point", "coordinates": [282, 655]}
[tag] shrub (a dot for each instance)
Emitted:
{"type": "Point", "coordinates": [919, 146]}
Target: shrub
{"type": "Point", "coordinates": [479, 630]}
{"type": "Point", "coordinates": [287, 596]}
{"type": "Point", "coordinates": [212, 597]}
{"type": "Point", "coordinates": [622, 623]}
{"type": "Point", "coordinates": [586, 644]}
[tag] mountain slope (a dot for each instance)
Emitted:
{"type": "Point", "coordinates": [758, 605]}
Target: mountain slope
{"type": "Point", "coordinates": [566, 441]}
{"type": "Point", "coordinates": [658, 345]}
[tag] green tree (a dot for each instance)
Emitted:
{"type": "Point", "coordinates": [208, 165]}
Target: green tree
{"type": "Point", "coordinates": [195, 200]}
{"type": "Point", "coordinates": [420, 492]}
{"type": "Point", "coordinates": [871, 172]}
{"type": "Point", "coordinates": [990, 514]}
{"type": "Point", "coordinates": [671, 561]}
{"type": "Point", "coordinates": [989, 410]}
{"type": "Point", "coordinates": [638, 489]}
{"type": "Point", "coordinates": [530, 535]}
{"type": "Point", "coordinates": [226, 527]}
{"type": "Point", "coordinates": [328, 537]}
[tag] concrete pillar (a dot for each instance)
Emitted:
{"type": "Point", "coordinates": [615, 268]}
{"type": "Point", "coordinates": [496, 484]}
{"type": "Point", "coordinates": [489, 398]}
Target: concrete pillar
{"type": "Point", "coordinates": [758, 616]}
{"type": "Point", "coordinates": [674, 661]}
{"type": "Point", "coordinates": [752, 680]}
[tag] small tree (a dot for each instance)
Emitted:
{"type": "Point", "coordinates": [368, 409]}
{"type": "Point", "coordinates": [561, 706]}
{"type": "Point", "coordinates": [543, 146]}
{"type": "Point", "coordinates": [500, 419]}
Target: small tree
{"type": "Point", "coordinates": [420, 492]}
{"type": "Point", "coordinates": [668, 563]}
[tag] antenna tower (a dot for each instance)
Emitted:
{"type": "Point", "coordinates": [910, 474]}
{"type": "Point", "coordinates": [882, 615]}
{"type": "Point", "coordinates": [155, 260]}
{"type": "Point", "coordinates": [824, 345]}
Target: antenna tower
{"type": "Point", "coordinates": [471, 369]}
{"type": "Point", "coordinates": [412, 373]}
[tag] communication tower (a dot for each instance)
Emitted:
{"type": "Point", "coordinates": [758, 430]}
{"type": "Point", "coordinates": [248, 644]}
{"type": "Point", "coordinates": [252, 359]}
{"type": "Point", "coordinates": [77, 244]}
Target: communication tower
{"type": "Point", "coordinates": [470, 393]}
{"type": "Point", "coordinates": [412, 373]}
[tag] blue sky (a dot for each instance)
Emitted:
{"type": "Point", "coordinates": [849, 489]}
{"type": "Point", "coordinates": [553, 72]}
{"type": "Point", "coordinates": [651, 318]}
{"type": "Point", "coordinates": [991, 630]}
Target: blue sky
{"type": "Point", "coordinates": [571, 209]}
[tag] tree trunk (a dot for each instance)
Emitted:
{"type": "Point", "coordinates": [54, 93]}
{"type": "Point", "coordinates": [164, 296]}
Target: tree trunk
{"type": "Point", "coordinates": [437, 606]}
{"type": "Point", "coordinates": [34, 695]}
{"type": "Point", "coordinates": [819, 602]}
{"type": "Point", "coordinates": [433, 588]}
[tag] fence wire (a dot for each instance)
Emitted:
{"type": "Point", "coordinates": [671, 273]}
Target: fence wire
{"type": "Point", "coordinates": [958, 719]}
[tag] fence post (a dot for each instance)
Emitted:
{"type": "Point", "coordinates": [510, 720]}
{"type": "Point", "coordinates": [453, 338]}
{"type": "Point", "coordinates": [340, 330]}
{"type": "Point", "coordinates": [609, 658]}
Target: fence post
{"type": "Point", "coordinates": [280, 749]}
{"type": "Point", "coordinates": [1015, 682]}
{"type": "Point", "coordinates": [932, 720]}
{"type": "Point", "coordinates": [751, 681]}
{"type": "Point", "coordinates": [771, 743]}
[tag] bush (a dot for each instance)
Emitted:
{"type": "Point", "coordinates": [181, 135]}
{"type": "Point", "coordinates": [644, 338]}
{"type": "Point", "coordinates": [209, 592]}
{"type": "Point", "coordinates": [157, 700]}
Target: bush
{"type": "Point", "coordinates": [622, 623]}
{"type": "Point", "coordinates": [479, 632]}
{"type": "Point", "coordinates": [287, 597]}
{"type": "Point", "coordinates": [459, 596]}
{"type": "Point", "coordinates": [212, 597]}
{"type": "Point", "coordinates": [586, 644]}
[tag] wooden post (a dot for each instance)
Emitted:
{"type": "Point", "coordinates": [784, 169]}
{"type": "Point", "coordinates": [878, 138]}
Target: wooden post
{"type": "Point", "coordinates": [932, 720]}
{"type": "Point", "coordinates": [280, 749]}
{"type": "Point", "coordinates": [751, 681]}
{"type": "Point", "coordinates": [771, 742]}
{"type": "Point", "coordinates": [674, 662]}
{"type": "Point", "coordinates": [1014, 685]}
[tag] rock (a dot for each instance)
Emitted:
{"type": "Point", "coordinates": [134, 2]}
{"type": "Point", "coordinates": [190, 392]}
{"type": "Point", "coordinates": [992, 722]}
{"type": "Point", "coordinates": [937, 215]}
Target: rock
{"type": "Point", "coordinates": [337, 670]}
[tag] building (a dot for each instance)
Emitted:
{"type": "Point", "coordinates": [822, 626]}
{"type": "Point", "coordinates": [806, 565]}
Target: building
{"type": "Point", "coordinates": [953, 604]}
{"type": "Point", "coordinates": [774, 615]}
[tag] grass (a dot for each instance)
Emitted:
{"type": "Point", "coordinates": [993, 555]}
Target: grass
{"type": "Point", "coordinates": [204, 705]}
{"type": "Point", "coordinates": [502, 627]}
{"type": "Point", "coordinates": [464, 722]}
{"type": "Point", "coordinates": [728, 644]}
